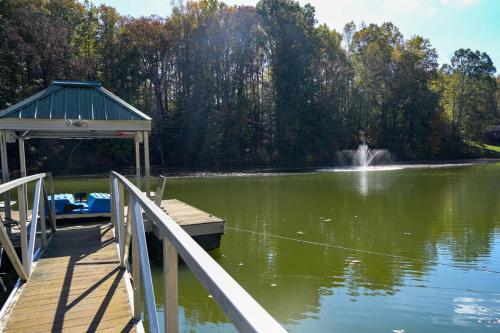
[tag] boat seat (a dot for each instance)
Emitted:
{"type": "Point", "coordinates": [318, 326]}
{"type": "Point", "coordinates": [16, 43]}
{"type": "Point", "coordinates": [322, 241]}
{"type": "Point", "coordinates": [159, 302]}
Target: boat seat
{"type": "Point", "coordinates": [68, 208]}
{"type": "Point", "coordinates": [80, 196]}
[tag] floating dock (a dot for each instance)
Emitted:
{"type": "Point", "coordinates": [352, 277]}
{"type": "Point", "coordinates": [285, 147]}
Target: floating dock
{"type": "Point", "coordinates": [203, 227]}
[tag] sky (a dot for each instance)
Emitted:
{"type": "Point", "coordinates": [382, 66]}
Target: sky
{"type": "Point", "coordinates": [448, 24]}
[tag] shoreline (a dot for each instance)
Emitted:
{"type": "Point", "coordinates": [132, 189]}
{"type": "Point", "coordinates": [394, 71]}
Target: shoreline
{"type": "Point", "coordinates": [276, 170]}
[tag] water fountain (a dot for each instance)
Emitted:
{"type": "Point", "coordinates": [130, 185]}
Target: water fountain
{"type": "Point", "coordinates": [364, 156]}
{"type": "Point", "coordinates": [365, 159]}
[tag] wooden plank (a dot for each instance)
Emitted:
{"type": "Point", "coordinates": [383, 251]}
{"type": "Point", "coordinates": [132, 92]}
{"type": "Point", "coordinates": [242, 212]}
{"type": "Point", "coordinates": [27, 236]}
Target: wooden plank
{"type": "Point", "coordinates": [77, 286]}
{"type": "Point", "coordinates": [77, 325]}
{"type": "Point", "coordinates": [193, 220]}
{"type": "Point", "coordinates": [183, 213]}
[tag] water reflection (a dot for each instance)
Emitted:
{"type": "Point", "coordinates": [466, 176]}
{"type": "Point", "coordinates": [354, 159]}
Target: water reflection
{"type": "Point", "coordinates": [413, 249]}
{"type": "Point", "coordinates": [363, 183]}
{"type": "Point", "coordinates": [470, 311]}
{"type": "Point", "coordinates": [413, 224]}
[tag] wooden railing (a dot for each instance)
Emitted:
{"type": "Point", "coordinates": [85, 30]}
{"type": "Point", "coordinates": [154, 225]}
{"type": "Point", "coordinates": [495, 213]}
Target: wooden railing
{"type": "Point", "coordinates": [23, 266]}
{"type": "Point", "coordinates": [245, 313]}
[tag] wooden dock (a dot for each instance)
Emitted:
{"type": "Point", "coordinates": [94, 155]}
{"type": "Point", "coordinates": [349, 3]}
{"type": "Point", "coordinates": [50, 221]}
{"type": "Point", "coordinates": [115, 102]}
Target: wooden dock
{"type": "Point", "coordinates": [205, 228]}
{"type": "Point", "coordinates": [77, 285]}
{"type": "Point", "coordinates": [193, 220]}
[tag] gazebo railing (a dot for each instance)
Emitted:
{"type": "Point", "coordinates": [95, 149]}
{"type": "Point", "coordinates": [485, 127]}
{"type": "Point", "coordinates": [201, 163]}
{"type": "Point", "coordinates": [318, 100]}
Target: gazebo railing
{"type": "Point", "coordinates": [24, 266]}
{"type": "Point", "coordinates": [245, 313]}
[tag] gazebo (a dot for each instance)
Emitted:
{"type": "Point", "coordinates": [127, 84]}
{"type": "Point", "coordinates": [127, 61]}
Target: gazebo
{"type": "Point", "coordinates": [73, 110]}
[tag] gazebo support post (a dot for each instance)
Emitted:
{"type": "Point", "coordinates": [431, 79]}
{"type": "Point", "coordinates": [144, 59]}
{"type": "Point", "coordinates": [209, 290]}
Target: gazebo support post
{"type": "Point", "coordinates": [22, 164]}
{"type": "Point", "coordinates": [5, 171]}
{"type": "Point", "coordinates": [22, 157]}
{"type": "Point", "coordinates": [147, 168]}
{"type": "Point", "coordinates": [137, 160]}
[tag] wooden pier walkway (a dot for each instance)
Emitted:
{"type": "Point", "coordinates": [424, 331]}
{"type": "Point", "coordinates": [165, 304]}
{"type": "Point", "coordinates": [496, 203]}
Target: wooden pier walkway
{"type": "Point", "coordinates": [77, 285]}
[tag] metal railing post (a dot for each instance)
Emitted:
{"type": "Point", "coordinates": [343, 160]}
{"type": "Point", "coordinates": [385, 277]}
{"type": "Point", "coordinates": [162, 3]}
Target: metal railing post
{"type": "Point", "coordinates": [170, 296]}
{"type": "Point", "coordinates": [121, 218]}
{"type": "Point", "coordinates": [127, 235]}
{"type": "Point", "coordinates": [23, 226]}
{"type": "Point", "coordinates": [136, 275]}
{"type": "Point", "coordinates": [145, 269]}
{"type": "Point", "coordinates": [34, 218]}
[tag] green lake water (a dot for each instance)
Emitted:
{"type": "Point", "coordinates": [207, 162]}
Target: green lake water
{"type": "Point", "coordinates": [411, 249]}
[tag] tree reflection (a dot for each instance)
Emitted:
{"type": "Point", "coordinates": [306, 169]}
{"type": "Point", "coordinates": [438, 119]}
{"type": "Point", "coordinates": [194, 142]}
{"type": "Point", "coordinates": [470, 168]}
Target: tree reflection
{"type": "Point", "coordinates": [384, 233]}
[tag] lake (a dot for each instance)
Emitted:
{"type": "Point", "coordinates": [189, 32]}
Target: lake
{"type": "Point", "coordinates": [413, 249]}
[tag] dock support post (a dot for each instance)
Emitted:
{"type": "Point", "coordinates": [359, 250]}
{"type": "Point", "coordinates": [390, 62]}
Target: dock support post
{"type": "Point", "coordinates": [137, 160]}
{"type": "Point", "coordinates": [115, 211]}
{"type": "Point", "coordinates": [147, 167]}
{"type": "Point", "coordinates": [53, 201]}
{"type": "Point", "coordinates": [112, 201]}
{"type": "Point", "coordinates": [170, 296]}
{"type": "Point", "coordinates": [5, 171]}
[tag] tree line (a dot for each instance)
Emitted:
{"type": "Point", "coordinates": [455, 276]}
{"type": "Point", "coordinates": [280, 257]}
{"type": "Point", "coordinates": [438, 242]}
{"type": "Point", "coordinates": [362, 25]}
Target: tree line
{"type": "Point", "coordinates": [245, 86]}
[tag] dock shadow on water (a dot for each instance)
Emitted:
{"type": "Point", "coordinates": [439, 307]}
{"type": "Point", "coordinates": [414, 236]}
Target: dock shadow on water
{"type": "Point", "coordinates": [412, 249]}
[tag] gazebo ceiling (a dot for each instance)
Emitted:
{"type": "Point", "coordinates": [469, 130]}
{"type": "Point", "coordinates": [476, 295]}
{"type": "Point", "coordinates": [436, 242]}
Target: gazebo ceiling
{"type": "Point", "coordinates": [74, 109]}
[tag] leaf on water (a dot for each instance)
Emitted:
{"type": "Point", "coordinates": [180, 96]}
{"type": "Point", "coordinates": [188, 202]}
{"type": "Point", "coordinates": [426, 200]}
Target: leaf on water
{"type": "Point", "coordinates": [355, 261]}
{"type": "Point", "coordinates": [407, 233]}
{"type": "Point", "coordinates": [300, 233]}
{"type": "Point", "coordinates": [273, 284]}
{"type": "Point", "coordinates": [327, 220]}
{"type": "Point", "coordinates": [240, 264]}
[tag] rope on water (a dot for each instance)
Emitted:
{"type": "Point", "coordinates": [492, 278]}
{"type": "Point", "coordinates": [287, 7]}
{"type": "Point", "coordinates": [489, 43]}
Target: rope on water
{"type": "Point", "coordinates": [359, 250]}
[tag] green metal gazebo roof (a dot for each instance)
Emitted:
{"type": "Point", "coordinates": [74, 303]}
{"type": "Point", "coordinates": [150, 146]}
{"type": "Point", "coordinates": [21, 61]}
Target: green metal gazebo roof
{"type": "Point", "coordinates": [74, 106]}
{"type": "Point", "coordinates": [74, 100]}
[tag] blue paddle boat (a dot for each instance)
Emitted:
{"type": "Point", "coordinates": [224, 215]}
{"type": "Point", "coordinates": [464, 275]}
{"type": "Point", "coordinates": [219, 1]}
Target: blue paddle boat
{"type": "Point", "coordinates": [79, 206]}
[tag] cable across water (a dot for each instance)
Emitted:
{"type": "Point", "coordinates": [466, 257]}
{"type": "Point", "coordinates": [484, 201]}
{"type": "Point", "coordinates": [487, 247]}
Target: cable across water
{"type": "Point", "coordinates": [358, 250]}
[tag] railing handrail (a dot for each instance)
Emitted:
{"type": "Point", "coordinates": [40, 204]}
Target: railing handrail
{"type": "Point", "coordinates": [20, 181]}
{"type": "Point", "coordinates": [246, 314]}
{"type": "Point", "coordinates": [23, 266]}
